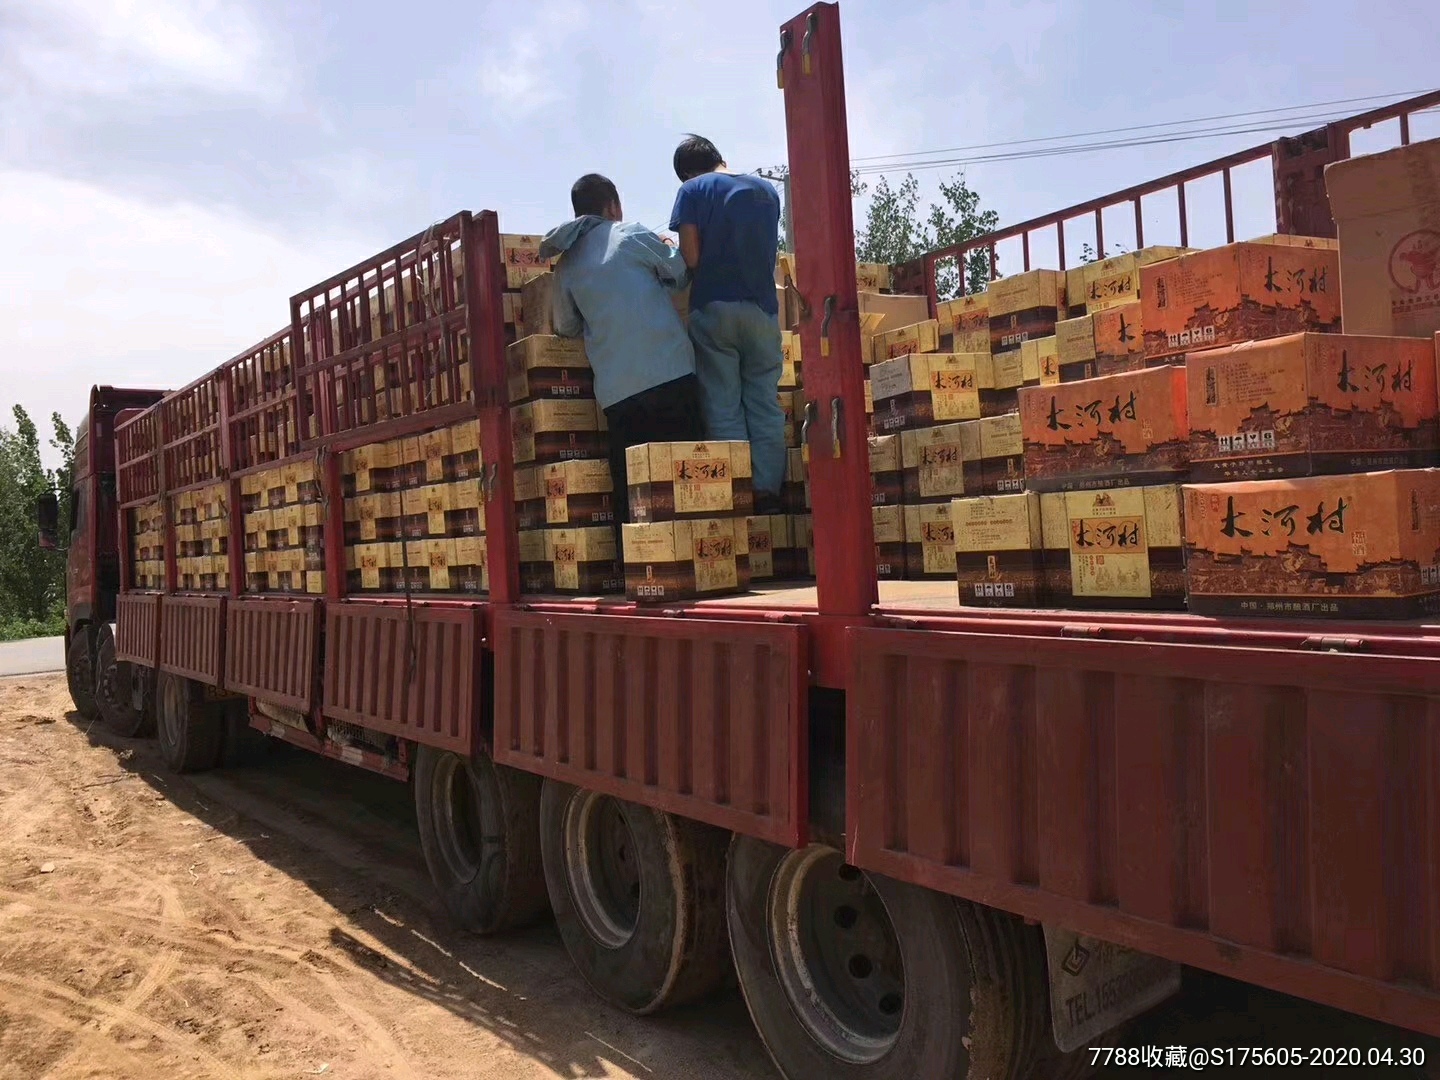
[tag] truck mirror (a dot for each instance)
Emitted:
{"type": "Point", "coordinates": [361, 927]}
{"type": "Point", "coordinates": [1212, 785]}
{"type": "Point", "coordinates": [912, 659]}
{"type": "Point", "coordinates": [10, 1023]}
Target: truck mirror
{"type": "Point", "coordinates": [47, 512]}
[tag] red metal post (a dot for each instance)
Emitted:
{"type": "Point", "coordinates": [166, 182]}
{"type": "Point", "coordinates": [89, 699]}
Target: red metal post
{"type": "Point", "coordinates": [1139, 225]}
{"type": "Point", "coordinates": [1229, 209]}
{"type": "Point", "coordinates": [484, 284]}
{"type": "Point", "coordinates": [814, 84]}
{"type": "Point", "coordinates": [1099, 234]}
{"type": "Point", "coordinates": [235, 542]}
{"type": "Point", "coordinates": [333, 506]}
{"type": "Point", "coordinates": [1184, 217]}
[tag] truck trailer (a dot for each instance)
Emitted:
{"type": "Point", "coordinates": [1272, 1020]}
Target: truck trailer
{"type": "Point", "coordinates": [937, 841]}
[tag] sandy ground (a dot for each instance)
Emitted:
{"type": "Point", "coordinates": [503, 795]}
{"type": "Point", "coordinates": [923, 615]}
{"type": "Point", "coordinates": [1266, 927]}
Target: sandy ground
{"type": "Point", "coordinates": [277, 922]}
{"type": "Point", "coordinates": [272, 922]}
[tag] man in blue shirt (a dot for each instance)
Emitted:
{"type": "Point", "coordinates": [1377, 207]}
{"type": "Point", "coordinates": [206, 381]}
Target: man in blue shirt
{"type": "Point", "coordinates": [613, 285]}
{"type": "Point", "coordinates": [729, 230]}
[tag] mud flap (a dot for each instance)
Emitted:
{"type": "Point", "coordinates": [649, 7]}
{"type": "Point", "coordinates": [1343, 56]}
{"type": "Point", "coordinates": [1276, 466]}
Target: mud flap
{"type": "Point", "coordinates": [1095, 986]}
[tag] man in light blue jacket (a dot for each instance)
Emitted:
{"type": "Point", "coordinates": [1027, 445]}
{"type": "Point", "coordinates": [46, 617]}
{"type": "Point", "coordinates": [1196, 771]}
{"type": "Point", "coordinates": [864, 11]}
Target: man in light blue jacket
{"type": "Point", "coordinates": [613, 285]}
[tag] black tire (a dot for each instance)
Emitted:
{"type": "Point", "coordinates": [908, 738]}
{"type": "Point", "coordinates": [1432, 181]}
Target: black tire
{"type": "Point", "coordinates": [80, 673]}
{"type": "Point", "coordinates": [114, 692]}
{"type": "Point", "coordinates": [967, 999]}
{"type": "Point", "coordinates": [244, 745]}
{"type": "Point", "coordinates": [641, 913]}
{"type": "Point", "coordinates": [191, 731]}
{"type": "Point", "coordinates": [479, 831]}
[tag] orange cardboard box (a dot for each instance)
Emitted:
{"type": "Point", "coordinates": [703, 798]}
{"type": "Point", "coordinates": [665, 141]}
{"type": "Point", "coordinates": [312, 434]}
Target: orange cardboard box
{"type": "Point", "coordinates": [1124, 430]}
{"type": "Point", "coordinates": [1240, 292]}
{"type": "Point", "coordinates": [1118, 549]}
{"type": "Point", "coordinates": [1387, 212]}
{"type": "Point", "coordinates": [1366, 545]}
{"type": "Point", "coordinates": [1119, 338]}
{"type": "Point", "coordinates": [1312, 403]}
{"type": "Point", "coordinates": [997, 550]}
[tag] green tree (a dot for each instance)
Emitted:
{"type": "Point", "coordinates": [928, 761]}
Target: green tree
{"type": "Point", "coordinates": [956, 219]}
{"type": "Point", "coordinates": [32, 581]}
{"type": "Point", "coordinates": [1087, 252]}
{"type": "Point", "coordinates": [895, 233]}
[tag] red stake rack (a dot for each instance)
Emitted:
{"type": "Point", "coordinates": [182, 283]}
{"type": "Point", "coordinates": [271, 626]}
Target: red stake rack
{"type": "Point", "coordinates": [810, 72]}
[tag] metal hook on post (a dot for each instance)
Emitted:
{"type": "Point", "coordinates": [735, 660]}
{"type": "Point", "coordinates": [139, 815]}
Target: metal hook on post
{"type": "Point", "coordinates": [811, 23]}
{"type": "Point", "coordinates": [825, 326]}
{"type": "Point", "coordinates": [810, 413]}
{"type": "Point", "coordinates": [785, 39]}
{"type": "Point", "coordinates": [836, 428]}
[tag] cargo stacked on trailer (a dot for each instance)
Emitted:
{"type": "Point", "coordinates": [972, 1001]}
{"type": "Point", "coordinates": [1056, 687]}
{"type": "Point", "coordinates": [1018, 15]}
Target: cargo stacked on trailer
{"type": "Point", "coordinates": [864, 790]}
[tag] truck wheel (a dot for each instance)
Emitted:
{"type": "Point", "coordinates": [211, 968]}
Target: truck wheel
{"type": "Point", "coordinates": [115, 692]}
{"type": "Point", "coordinates": [191, 731]}
{"type": "Point", "coordinates": [637, 897]}
{"type": "Point", "coordinates": [80, 673]}
{"type": "Point", "coordinates": [853, 976]}
{"type": "Point", "coordinates": [479, 831]}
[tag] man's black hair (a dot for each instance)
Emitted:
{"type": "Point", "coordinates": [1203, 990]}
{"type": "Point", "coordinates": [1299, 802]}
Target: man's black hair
{"type": "Point", "coordinates": [696, 156]}
{"type": "Point", "coordinates": [593, 194]}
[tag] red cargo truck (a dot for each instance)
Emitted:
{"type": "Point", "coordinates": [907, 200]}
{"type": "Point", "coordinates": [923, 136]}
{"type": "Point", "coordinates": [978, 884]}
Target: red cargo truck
{"type": "Point", "coordinates": [933, 839]}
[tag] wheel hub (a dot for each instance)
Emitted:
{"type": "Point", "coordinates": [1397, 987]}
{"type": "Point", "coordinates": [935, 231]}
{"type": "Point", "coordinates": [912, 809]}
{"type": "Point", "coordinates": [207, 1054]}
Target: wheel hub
{"type": "Point", "coordinates": [837, 954]}
{"type": "Point", "coordinates": [603, 867]}
{"type": "Point", "coordinates": [467, 835]}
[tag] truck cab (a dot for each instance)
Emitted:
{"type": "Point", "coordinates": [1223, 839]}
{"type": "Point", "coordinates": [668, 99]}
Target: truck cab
{"type": "Point", "coordinates": [92, 568]}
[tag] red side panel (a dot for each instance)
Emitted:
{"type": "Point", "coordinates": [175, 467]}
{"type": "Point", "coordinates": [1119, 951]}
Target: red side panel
{"type": "Point", "coordinates": [271, 649]}
{"type": "Point", "coordinates": [700, 718]}
{"type": "Point", "coordinates": [1267, 814]}
{"type": "Point", "coordinates": [407, 671]}
{"type": "Point", "coordinates": [137, 628]}
{"type": "Point", "coordinates": [192, 643]}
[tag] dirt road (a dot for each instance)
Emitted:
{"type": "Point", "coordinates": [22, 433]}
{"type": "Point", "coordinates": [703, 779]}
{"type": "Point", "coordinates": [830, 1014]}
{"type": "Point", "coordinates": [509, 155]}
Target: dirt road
{"type": "Point", "coordinates": [272, 922]}
{"type": "Point", "coordinates": [277, 922]}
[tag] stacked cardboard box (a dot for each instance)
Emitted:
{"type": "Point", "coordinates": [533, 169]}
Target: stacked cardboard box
{"type": "Point", "coordinates": [201, 523]}
{"type": "Point", "coordinates": [414, 517]}
{"type": "Point", "coordinates": [284, 529]}
{"type": "Point", "coordinates": [147, 545]}
{"type": "Point", "coordinates": [1304, 528]}
{"type": "Point", "coordinates": [688, 535]}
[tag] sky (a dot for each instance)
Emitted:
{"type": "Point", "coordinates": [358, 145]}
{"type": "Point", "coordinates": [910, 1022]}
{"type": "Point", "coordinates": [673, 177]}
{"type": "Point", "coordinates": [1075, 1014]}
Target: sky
{"type": "Point", "coordinates": [171, 171]}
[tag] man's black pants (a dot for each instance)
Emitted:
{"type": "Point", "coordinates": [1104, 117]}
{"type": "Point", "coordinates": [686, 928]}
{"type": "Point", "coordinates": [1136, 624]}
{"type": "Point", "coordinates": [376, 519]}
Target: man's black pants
{"type": "Point", "coordinates": [669, 412]}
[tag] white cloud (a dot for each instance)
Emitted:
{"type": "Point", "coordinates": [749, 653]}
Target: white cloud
{"type": "Point", "coordinates": [114, 290]}
{"type": "Point", "coordinates": [521, 73]}
{"type": "Point", "coordinates": [71, 48]}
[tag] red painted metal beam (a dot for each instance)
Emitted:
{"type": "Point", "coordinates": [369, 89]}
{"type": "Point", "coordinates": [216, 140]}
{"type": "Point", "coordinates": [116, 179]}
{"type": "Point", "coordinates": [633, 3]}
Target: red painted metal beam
{"type": "Point", "coordinates": [813, 79]}
{"type": "Point", "coordinates": [484, 284]}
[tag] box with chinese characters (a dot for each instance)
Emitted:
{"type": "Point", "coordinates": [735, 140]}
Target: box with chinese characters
{"type": "Point", "coordinates": [583, 561]}
{"type": "Point", "coordinates": [578, 493]}
{"type": "Point", "coordinates": [1364, 545]}
{"type": "Point", "coordinates": [965, 323]}
{"type": "Point", "coordinates": [885, 470]}
{"type": "Point", "coordinates": [1123, 430]}
{"type": "Point", "coordinates": [545, 366]}
{"type": "Point", "coordinates": [689, 480]}
{"type": "Point", "coordinates": [1095, 286]}
{"type": "Point", "coordinates": [774, 553]}
{"type": "Point", "coordinates": [997, 550]}
{"type": "Point", "coordinates": [941, 463]}
{"type": "Point", "coordinates": [548, 430]}
{"type": "Point", "coordinates": [889, 526]}
{"type": "Point", "coordinates": [1002, 455]}
{"type": "Point", "coordinates": [929, 542]}
{"type": "Point", "coordinates": [520, 255]}
{"type": "Point", "coordinates": [1240, 292]}
{"type": "Point", "coordinates": [1119, 548]}
{"type": "Point", "coordinates": [922, 337]}
{"type": "Point", "coordinates": [921, 389]}
{"type": "Point", "coordinates": [670, 561]}
{"type": "Point", "coordinates": [1312, 403]}
{"type": "Point", "coordinates": [1025, 306]}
